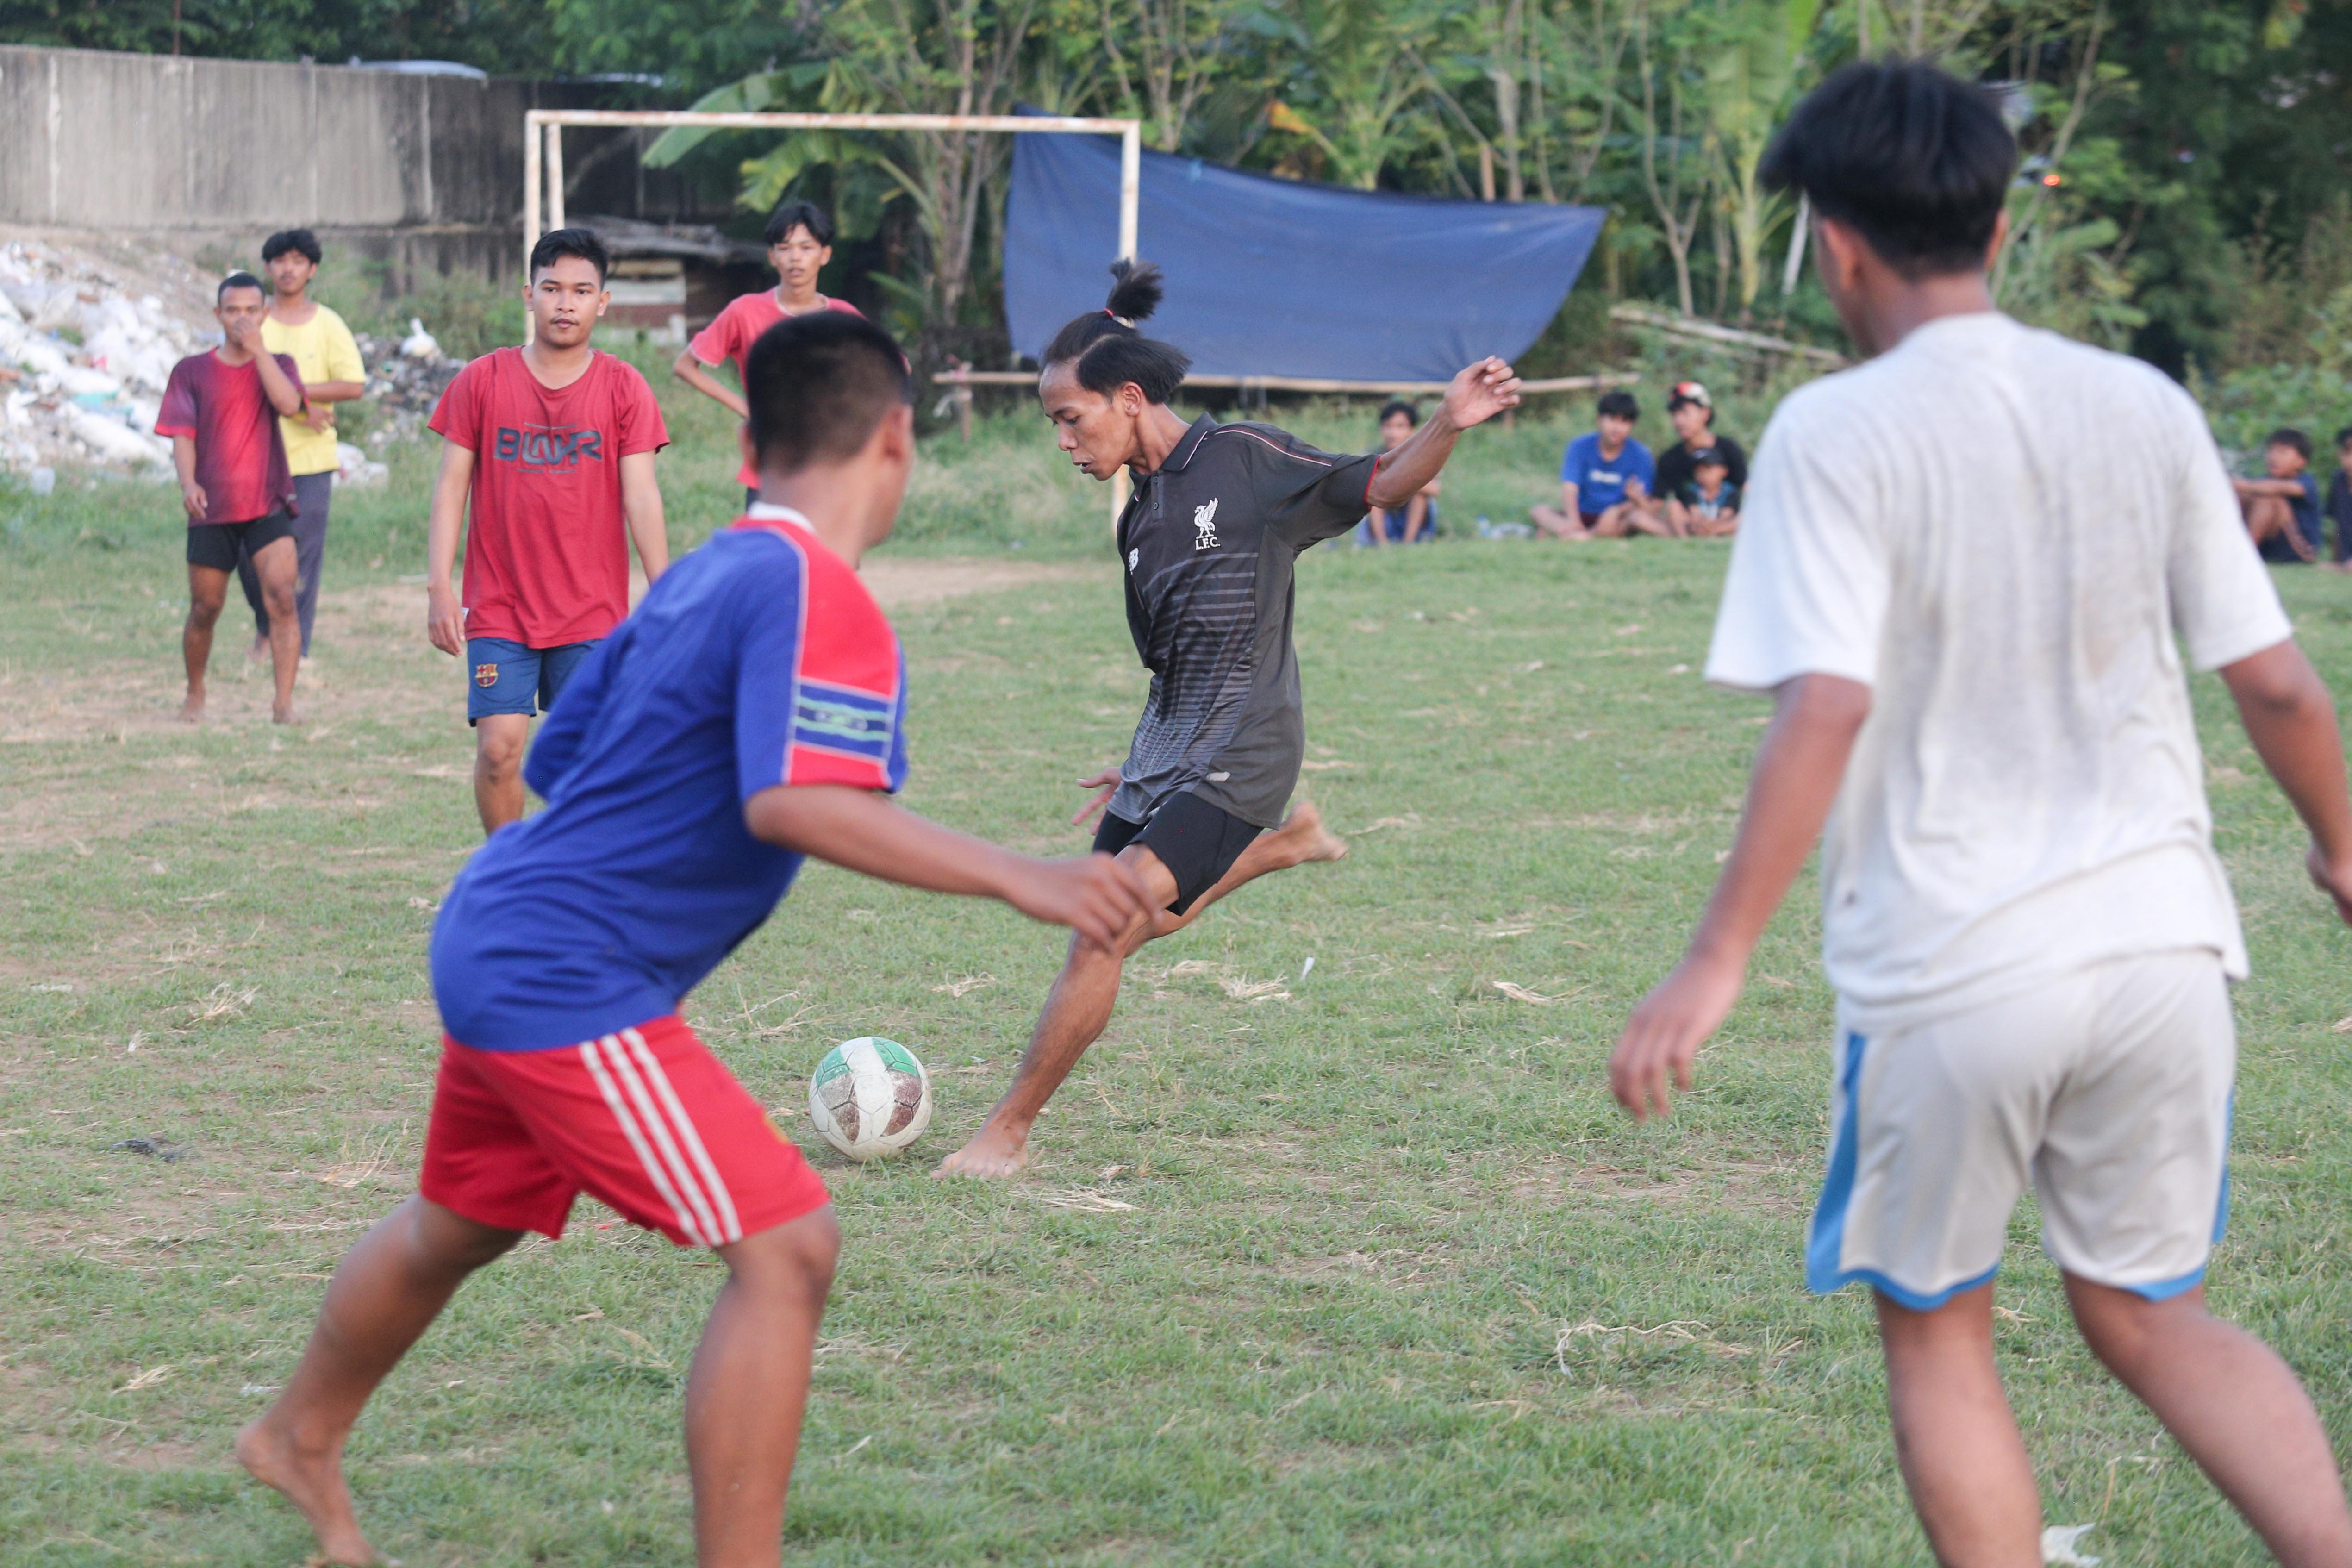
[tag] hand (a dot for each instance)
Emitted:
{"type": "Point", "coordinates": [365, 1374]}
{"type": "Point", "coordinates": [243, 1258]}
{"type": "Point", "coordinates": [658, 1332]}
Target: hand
{"type": "Point", "coordinates": [2335, 880]}
{"type": "Point", "coordinates": [320, 416]}
{"type": "Point", "coordinates": [192, 496]}
{"type": "Point", "coordinates": [1481, 392]}
{"type": "Point", "coordinates": [1096, 896]}
{"type": "Point", "coordinates": [1107, 781]}
{"type": "Point", "coordinates": [1666, 1030]}
{"type": "Point", "coordinates": [444, 619]}
{"type": "Point", "coordinates": [243, 333]}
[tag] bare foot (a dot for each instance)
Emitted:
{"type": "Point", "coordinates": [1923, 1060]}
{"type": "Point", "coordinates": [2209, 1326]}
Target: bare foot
{"type": "Point", "coordinates": [192, 711]}
{"type": "Point", "coordinates": [1304, 839]}
{"type": "Point", "coordinates": [284, 714]}
{"type": "Point", "coordinates": [994, 1152]}
{"type": "Point", "coordinates": [313, 1484]}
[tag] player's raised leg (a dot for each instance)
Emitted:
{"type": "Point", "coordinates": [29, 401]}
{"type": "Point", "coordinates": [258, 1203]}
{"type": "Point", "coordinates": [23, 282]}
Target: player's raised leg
{"type": "Point", "coordinates": [1079, 1008]}
{"type": "Point", "coordinates": [385, 1293]}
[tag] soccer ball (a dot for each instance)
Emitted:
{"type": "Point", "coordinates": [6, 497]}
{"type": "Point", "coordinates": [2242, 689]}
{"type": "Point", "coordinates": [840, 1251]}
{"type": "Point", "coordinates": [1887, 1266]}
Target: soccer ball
{"type": "Point", "coordinates": [870, 1097]}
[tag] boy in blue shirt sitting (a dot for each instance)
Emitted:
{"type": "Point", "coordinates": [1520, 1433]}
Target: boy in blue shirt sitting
{"type": "Point", "coordinates": [1605, 477]}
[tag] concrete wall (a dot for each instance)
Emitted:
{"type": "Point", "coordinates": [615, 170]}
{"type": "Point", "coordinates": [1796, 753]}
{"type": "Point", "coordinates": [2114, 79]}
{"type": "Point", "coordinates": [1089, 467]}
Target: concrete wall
{"type": "Point", "coordinates": [422, 172]}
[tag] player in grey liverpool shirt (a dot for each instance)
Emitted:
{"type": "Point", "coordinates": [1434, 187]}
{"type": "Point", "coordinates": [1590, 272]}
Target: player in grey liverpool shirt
{"type": "Point", "coordinates": [1210, 545]}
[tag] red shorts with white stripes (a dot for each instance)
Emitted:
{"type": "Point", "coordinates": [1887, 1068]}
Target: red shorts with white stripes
{"type": "Point", "coordinates": [646, 1119]}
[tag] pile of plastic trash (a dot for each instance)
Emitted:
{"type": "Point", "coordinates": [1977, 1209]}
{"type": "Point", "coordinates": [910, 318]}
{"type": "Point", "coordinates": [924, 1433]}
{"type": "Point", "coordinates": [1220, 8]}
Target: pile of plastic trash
{"type": "Point", "coordinates": [83, 366]}
{"type": "Point", "coordinates": [84, 362]}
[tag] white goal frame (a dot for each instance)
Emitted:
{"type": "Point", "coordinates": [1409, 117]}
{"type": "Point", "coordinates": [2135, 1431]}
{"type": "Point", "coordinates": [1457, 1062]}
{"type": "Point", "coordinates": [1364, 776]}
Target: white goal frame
{"type": "Point", "coordinates": [542, 160]}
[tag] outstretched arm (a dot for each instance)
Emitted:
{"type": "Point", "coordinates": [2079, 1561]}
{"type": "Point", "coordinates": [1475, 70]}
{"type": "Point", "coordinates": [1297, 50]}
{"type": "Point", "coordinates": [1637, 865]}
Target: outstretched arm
{"type": "Point", "coordinates": [2288, 716]}
{"type": "Point", "coordinates": [1799, 768]}
{"type": "Point", "coordinates": [1477, 395]}
{"type": "Point", "coordinates": [862, 831]}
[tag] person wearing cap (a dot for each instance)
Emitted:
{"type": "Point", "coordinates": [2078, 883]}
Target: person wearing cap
{"type": "Point", "coordinates": [1693, 412]}
{"type": "Point", "coordinates": [1709, 507]}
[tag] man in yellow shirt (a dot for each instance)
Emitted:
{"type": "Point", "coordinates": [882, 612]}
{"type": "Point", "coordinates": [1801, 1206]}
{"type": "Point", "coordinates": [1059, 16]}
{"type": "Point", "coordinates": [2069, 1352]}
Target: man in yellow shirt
{"type": "Point", "coordinates": [332, 372]}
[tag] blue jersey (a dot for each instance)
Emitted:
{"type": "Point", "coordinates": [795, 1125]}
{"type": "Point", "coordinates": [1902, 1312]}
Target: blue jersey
{"type": "Point", "coordinates": [759, 659]}
{"type": "Point", "coordinates": [1600, 481]}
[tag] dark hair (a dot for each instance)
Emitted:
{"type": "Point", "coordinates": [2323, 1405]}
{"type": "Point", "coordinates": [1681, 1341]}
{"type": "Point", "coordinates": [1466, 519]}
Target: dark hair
{"type": "Point", "coordinates": [817, 385]}
{"type": "Point", "coordinates": [238, 280]}
{"type": "Point", "coordinates": [2288, 436]}
{"type": "Point", "coordinates": [1398, 406]}
{"type": "Point", "coordinates": [287, 239]}
{"type": "Point", "coordinates": [556, 244]}
{"type": "Point", "coordinates": [1105, 349]}
{"type": "Point", "coordinates": [1917, 160]}
{"type": "Point", "coordinates": [795, 215]}
{"type": "Point", "coordinates": [1619, 402]}
{"type": "Point", "coordinates": [2343, 438]}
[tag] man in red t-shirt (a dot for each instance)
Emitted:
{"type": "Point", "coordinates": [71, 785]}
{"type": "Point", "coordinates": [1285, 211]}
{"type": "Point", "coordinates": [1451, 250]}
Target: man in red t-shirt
{"type": "Point", "coordinates": [221, 410]}
{"type": "Point", "coordinates": [554, 443]}
{"type": "Point", "coordinates": [799, 243]}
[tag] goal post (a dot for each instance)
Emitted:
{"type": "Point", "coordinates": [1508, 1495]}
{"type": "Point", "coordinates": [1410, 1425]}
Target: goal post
{"type": "Point", "coordinates": [543, 161]}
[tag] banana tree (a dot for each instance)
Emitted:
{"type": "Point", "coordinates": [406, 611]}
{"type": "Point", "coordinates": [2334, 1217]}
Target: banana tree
{"type": "Point", "coordinates": [895, 57]}
{"type": "Point", "coordinates": [1356, 83]}
{"type": "Point", "coordinates": [1752, 76]}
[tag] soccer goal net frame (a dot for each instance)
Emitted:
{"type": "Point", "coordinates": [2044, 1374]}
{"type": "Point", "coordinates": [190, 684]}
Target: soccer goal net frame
{"type": "Point", "coordinates": [542, 143]}
{"type": "Point", "coordinates": [543, 158]}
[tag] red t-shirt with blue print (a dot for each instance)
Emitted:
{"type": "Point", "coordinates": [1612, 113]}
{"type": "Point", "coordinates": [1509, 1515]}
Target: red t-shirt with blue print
{"type": "Point", "coordinates": [757, 660]}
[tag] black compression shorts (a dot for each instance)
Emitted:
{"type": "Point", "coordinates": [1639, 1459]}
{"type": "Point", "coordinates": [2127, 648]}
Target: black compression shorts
{"type": "Point", "coordinates": [1197, 843]}
{"type": "Point", "coordinates": [217, 544]}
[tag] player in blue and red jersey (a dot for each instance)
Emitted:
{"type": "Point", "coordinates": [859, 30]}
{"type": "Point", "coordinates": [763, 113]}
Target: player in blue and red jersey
{"type": "Point", "coordinates": [750, 714]}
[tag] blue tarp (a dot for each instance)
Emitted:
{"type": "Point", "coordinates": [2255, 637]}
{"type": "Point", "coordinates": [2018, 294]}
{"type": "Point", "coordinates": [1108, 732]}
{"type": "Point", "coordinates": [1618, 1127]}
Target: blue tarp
{"type": "Point", "coordinates": [1270, 276]}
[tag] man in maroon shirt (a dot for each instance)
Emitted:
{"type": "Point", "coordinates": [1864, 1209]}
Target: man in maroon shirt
{"type": "Point", "coordinates": [547, 467]}
{"type": "Point", "coordinates": [221, 410]}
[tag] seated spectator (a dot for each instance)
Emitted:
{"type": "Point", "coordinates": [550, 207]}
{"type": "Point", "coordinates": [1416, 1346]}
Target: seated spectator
{"type": "Point", "coordinates": [1706, 505]}
{"type": "Point", "coordinates": [2339, 499]}
{"type": "Point", "coordinates": [1693, 412]}
{"type": "Point", "coordinates": [1417, 522]}
{"type": "Point", "coordinates": [1605, 479]}
{"type": "Point", "coordinates": [2283, 510]}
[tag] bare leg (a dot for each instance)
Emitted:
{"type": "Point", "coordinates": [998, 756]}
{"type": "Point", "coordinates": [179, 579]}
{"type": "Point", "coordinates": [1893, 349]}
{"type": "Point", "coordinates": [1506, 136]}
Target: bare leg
{"type": "Point", "coordinates": [208, 591]}
{"type": "Point", "coordinates": [389, 1287]}
{"type": "Point", "coordinates": [1555, 524]}
{"type": "Point", "coordinates": [1078, 1007]}
{"type": "Point", "coordinates": [1962, 1459]}
{"type": "Point", "coordinates": [2237, 1408]}
{"type": "Point", "coordinates": [749, 1387]}
{"type": "Point", "coordinates": [1654, 518]}
{"type": "Point", "coordinates": [1616, 522]}
{"type": "Point", "coordinates": [273, 563]}
{"type": "Point", "coordinates": [498, 741]}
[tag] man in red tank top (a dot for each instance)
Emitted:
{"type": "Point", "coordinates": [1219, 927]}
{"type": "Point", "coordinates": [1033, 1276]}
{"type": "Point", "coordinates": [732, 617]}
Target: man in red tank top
{"type": "Point", "coordinates": [547, 469]}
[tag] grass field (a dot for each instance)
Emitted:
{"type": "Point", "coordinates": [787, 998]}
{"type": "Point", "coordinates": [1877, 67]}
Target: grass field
{"type": "Point", "coordinates": [1343, 1265]}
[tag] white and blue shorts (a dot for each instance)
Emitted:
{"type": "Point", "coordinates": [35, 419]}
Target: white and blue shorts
{"type": "Point", "coordinates": [2109, 1089]}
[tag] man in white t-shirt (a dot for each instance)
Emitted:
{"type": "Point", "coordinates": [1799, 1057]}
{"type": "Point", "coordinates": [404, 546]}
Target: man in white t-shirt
{"type": "Point", "coordinates": [1965, 571]}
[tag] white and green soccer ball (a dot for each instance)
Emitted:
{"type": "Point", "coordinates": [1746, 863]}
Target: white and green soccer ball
{"type": "Point", "coordinates": [870, 1098]}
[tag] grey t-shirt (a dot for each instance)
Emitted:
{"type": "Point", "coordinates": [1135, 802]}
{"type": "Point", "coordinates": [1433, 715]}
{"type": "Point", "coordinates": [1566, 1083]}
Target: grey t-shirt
{"type": "Point", "coordinates": [1211, 543]}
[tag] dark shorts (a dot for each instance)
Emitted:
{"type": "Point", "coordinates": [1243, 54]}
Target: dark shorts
{"type": "Point", "coordinates": [1197, 843]}
{"type": "Point", "coordinates": [507, 677]}
{"type": "Point", "coordinates": [218, 544]}
{"type": "Point", "coordinates": [1590, 519]}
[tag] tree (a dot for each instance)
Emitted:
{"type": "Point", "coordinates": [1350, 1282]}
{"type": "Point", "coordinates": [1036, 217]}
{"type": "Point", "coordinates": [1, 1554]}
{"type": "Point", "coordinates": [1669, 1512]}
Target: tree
{"type": "Point", "coordinates": [895, 57]}
{"type": "Point", "coordinates": [1753, 70]}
